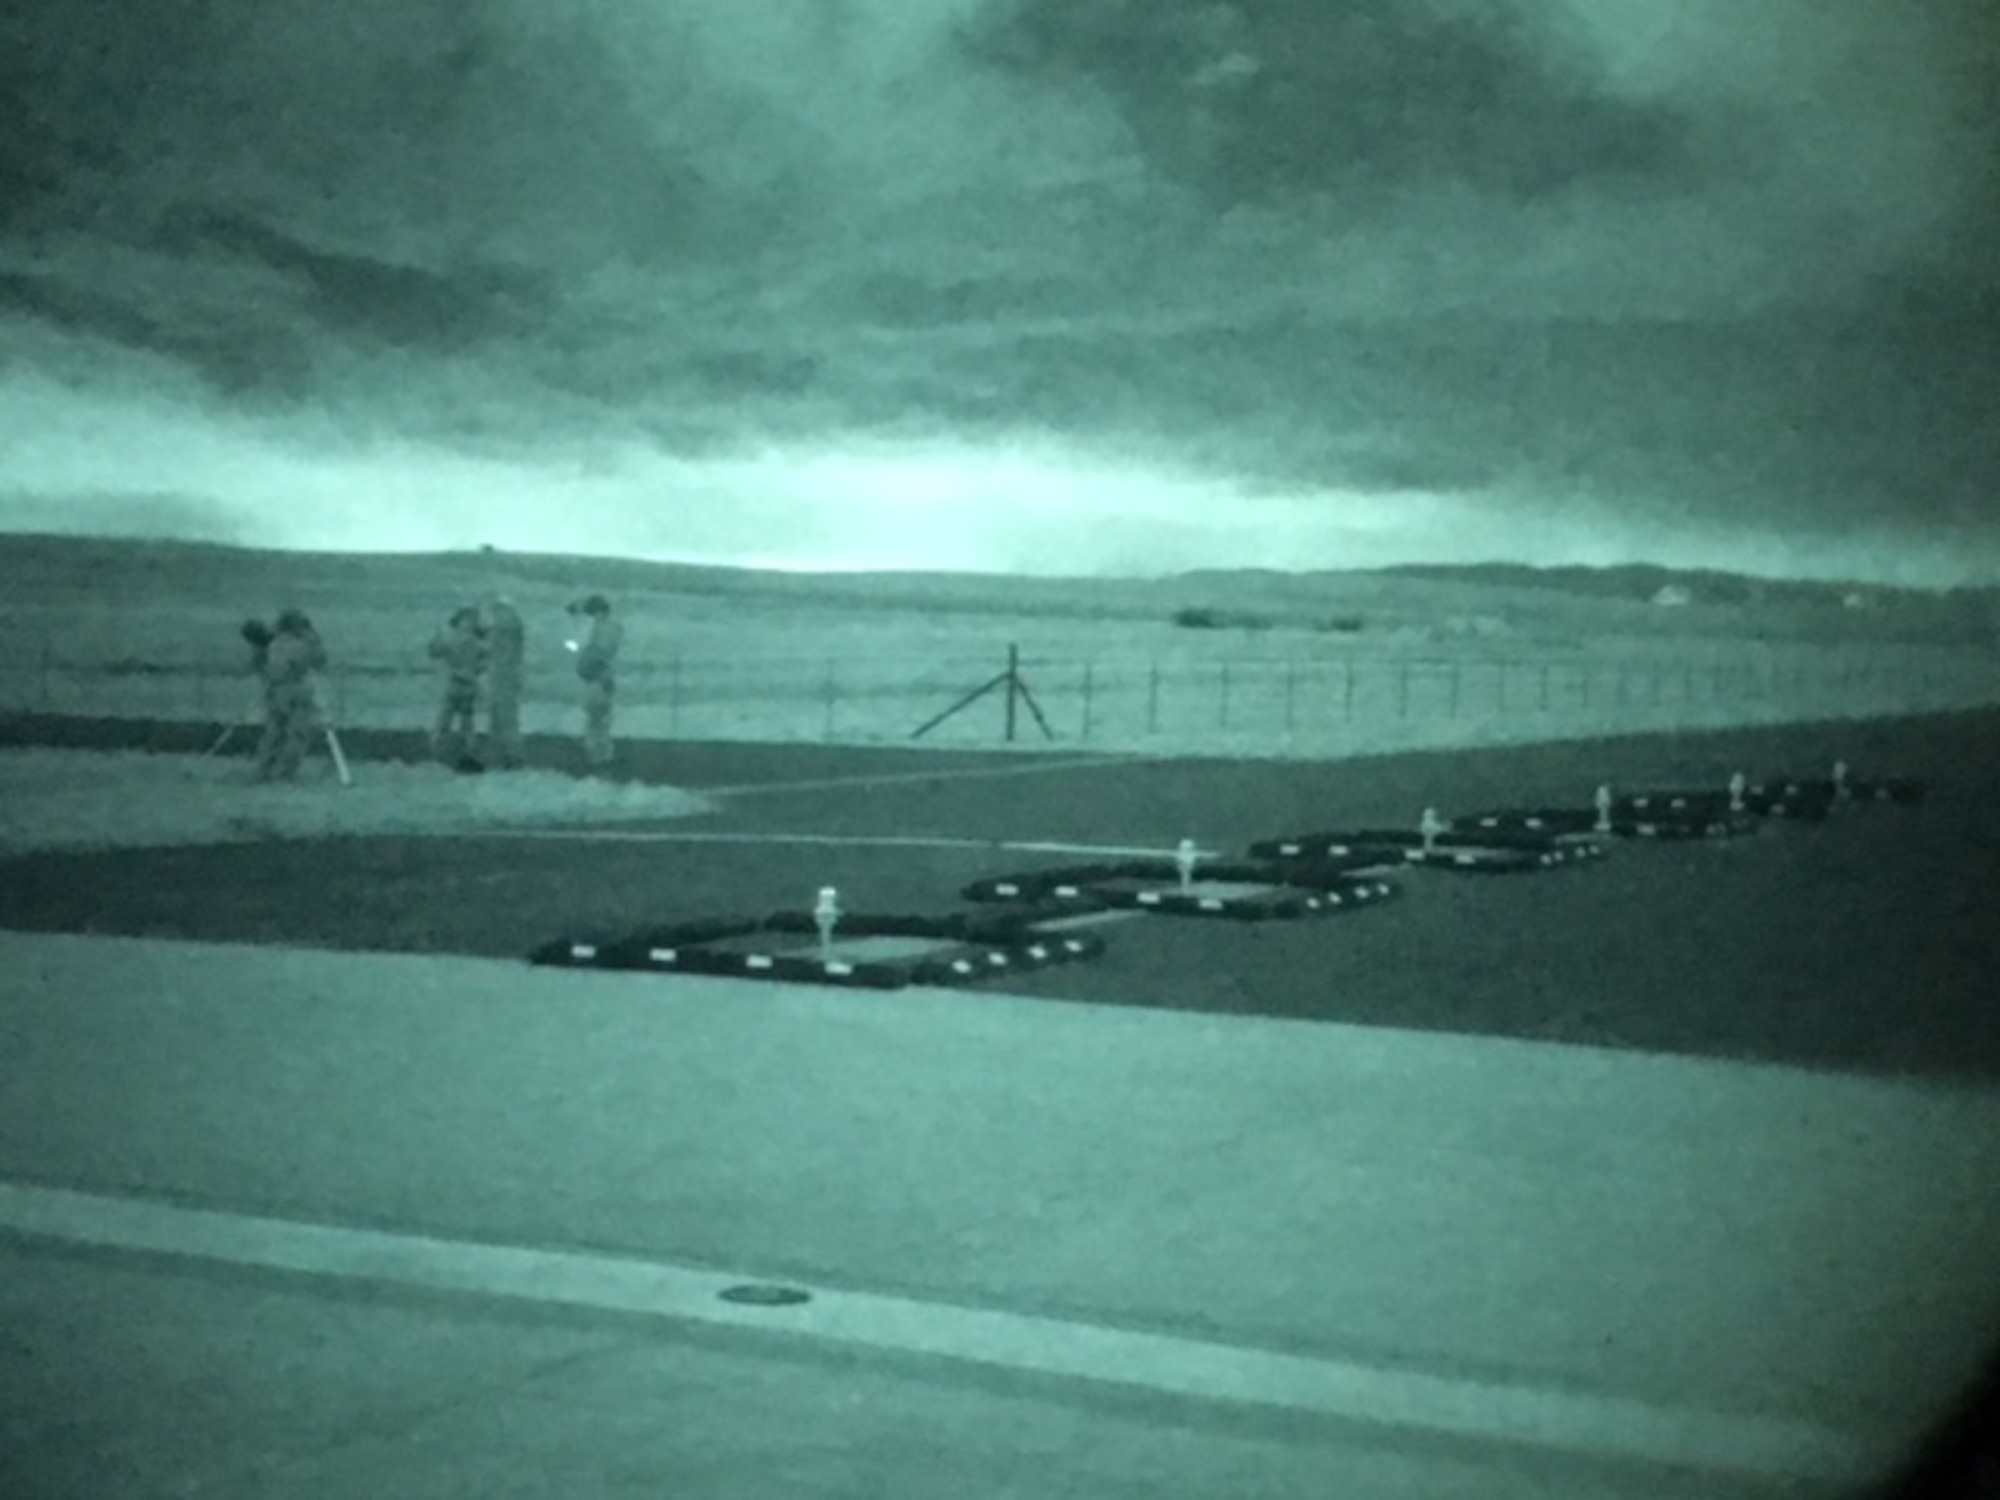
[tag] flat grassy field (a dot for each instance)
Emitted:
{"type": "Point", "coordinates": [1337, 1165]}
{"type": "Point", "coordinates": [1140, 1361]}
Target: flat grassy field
{"type": "Point", "coordinates": [76, 799]}
{"type": "Point", "coordinates": [1259, 663]}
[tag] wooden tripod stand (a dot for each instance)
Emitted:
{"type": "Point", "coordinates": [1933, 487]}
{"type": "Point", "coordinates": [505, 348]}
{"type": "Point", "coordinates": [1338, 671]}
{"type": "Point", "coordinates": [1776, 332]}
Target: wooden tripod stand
{"type": "Point", "coordinates": [333, 747]}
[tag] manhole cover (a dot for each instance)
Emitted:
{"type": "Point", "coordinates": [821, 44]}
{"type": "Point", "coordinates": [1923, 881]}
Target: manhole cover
{"type": "Point", "coordinates": [763, 1294]}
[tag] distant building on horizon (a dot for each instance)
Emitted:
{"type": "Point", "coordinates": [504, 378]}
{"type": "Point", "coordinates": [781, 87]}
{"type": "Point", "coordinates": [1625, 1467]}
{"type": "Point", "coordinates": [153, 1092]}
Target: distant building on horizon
{"type": "Point", "coordinates": [1673, 595]}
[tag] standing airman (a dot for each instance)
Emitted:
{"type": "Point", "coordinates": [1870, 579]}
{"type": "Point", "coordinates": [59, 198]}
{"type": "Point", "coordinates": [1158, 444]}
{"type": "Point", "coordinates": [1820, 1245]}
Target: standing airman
{"type": "Point", "coordinates": [506, 644]}
{"type": "Point", "coordinates": [596, 665]}
{"type": "Point", "coordinates": [289, 662]}
{"type": "Point", "coordinates": [460, 645]}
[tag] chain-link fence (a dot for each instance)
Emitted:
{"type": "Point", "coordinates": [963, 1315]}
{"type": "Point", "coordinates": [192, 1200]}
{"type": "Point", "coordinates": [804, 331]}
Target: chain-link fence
{"type": "Point", "coordinates": [1191, 698]}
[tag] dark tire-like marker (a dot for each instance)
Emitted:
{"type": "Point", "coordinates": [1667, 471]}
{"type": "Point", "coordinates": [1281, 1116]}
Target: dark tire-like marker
{"type": "Point", "coordinates": [580, 952]}
{"type": "Point", "coordinates": [1365, 852]}
{"type": "Point", "coordinates": [1476, 860]}
{"type": "Point", "coordinates": [1067, 886]}
{"type": "Point", "coordinates": [1270, 903]}
{"type": "Point", "coordinates": [967, 947]}
{"type": "Point", "coordinates": [695, 950]}
{"type": "Point", "coordinates": [1901, 789]}
{"type": "Point", "coordinates": [1028, 953]}
{"type": "Point", "coordinates": [1470, 849]}
{"type": "Point", "coordinates": [1723, 825]}
{"type": "Point", "coordinates": [1682, 805]}
{"type": "Point", "coordinates": [1547, 822]}
{"type": "Point", "coordinates": [1082, 885]}
{"type": "Point", "coordinates": [1805, 802]}
{"type": "Point", "coordinates": [1549, 848]}
{"type": "Point", "coordinates": [1274, 887]}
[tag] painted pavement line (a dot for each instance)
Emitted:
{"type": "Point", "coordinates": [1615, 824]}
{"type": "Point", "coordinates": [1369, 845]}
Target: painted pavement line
{"type": "Point", "coordinates": [831, 840]}
{"type": "Point", "coordinates": [1605, 1426]}
{"type": "Point", "coordinates": [895, 778]}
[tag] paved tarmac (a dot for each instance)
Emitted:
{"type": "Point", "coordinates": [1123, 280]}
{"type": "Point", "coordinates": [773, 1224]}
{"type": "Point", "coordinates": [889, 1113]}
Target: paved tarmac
{"type": "Point", "coordinates": [1376, 1255]}
{"type": "Point", "coordinates": [151, 1381]}
{"type": "Point", "coordinates": [1865, 943]}
{"type": "Point", "coordinates": [354, 1202]}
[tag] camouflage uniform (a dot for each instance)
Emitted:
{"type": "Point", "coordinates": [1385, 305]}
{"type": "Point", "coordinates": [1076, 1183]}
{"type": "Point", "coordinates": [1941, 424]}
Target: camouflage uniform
{"type": "Point", "coordinates": [290, 664]}
{"type": "Point", "coordinates": [506, 645]}
{"type": "Point", "coordinates": [596, 664]}
{"type": "Point", "coordinates": [462, 649]}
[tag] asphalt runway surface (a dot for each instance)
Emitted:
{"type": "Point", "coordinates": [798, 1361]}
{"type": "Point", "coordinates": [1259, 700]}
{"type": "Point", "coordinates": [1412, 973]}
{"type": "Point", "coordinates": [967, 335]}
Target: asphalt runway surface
{"type": "Point", "coordinates": [1868, 942]}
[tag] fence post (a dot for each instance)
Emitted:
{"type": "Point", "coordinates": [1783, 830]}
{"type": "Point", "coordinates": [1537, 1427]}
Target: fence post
{"type": "Point", "coordinates": [1153, 697]}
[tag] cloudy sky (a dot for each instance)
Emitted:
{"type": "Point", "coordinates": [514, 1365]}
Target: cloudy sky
{"type": "Point", "coordinates": [1043, 285]}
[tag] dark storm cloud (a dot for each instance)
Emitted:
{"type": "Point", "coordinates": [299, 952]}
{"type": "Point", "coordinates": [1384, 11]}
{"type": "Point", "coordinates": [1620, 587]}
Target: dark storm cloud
{"type": "Point", "coordinates": [1292, 96]}
{"type": "Point", "coordinates": [125, 513]}
{"type": "Point", "coordinates": [1698, 256]}
{"type": "Point", "coordinates": [1603, 155]}
{"type": "Point", "coordinates": [403, 304]}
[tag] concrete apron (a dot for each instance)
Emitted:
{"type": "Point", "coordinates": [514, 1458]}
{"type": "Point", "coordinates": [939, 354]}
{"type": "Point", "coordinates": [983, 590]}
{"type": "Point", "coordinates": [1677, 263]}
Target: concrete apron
{"type": "Point", "coordinates": [1743, 1268]}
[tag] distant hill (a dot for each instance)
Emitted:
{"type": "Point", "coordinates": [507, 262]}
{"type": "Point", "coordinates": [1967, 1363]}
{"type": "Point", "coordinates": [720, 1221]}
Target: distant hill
{"type": "Point", "coordinates": [1484, 598]}
{"type": "Point", "coordinates": [1643, 580]}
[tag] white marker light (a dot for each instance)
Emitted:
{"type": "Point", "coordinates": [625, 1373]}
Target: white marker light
{"type": "Point", "coordinates": [826, 916]}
